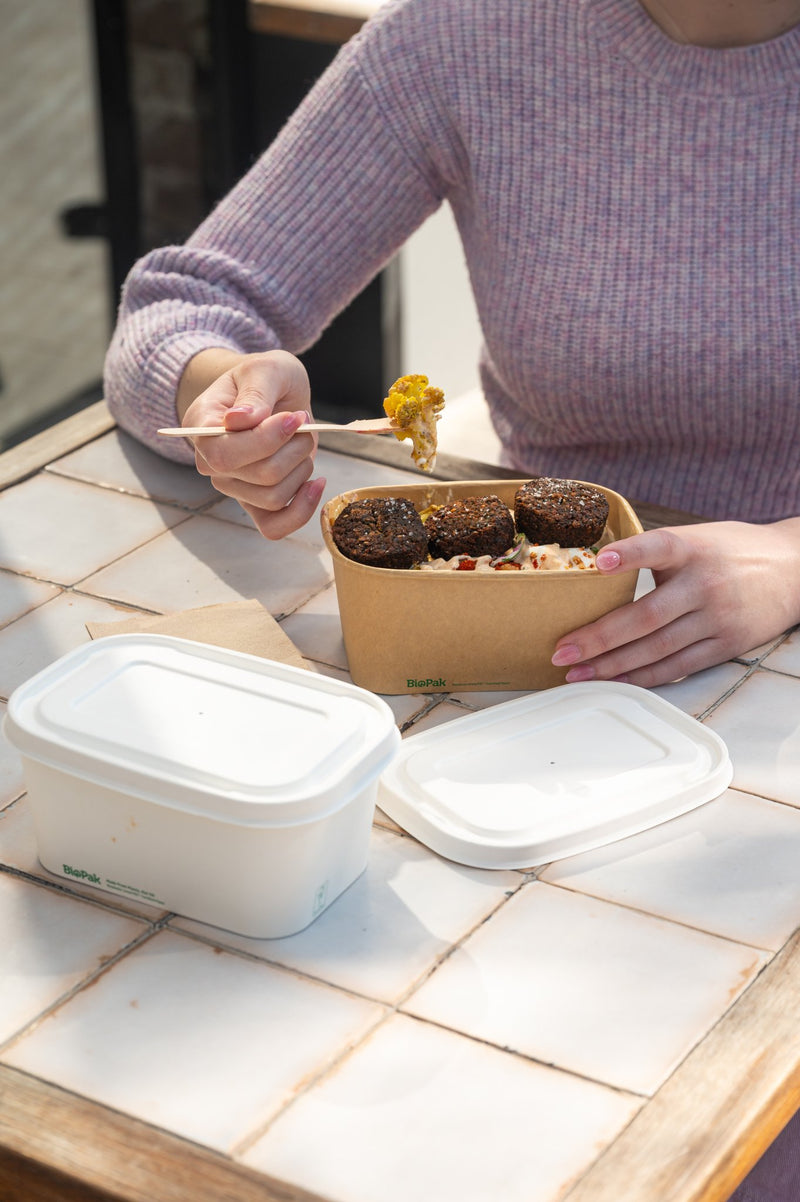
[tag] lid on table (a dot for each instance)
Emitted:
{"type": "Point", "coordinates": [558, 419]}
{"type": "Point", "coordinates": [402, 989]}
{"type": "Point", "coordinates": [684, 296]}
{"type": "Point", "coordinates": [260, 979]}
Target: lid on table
{"type": "Point", "coordinates": [552, 774]}
{"type": "Point", "coordinates": [203, 728]}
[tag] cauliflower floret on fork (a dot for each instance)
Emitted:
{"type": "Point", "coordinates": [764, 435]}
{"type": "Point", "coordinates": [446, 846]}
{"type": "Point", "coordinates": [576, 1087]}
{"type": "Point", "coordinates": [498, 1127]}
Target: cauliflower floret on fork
{"type": "Point", "coordinates": [414, 406]}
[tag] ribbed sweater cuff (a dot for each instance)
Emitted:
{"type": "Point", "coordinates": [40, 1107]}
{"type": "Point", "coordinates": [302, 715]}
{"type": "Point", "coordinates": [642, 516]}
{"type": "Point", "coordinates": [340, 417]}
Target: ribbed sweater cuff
{"type": "Point", "coordinates": [154, 406]}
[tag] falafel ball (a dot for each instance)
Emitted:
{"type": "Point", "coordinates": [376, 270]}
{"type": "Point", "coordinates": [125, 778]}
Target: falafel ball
{"type": "Point", "coordinates": [566, 512]}
{"type": "Point", "coordinates": [382, 532]}
{"type": "Point", "coordinates": [473, 526]}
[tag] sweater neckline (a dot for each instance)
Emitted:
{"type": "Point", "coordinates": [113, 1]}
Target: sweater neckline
{"type": "Point", "coordinates": [626, 29]}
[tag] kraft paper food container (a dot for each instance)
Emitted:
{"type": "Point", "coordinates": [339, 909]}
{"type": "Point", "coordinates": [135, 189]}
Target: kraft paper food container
{"type": "Point", "coordinates": [415, 632]}
{"type": "Point", "coordinates": [228, 788]}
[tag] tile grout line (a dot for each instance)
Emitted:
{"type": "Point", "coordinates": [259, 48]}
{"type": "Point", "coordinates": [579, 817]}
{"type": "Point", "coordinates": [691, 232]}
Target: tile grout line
{"type": "Point", "coordinates": [734, 688]}
{"type": "Point", "coordinates": [84, 984]}
{"type": "Point", "coordinates": [104, 899]}
{"type": "Point", "coordinates": [240, 1148]}
{"type": "Point", "coordinates": [391, 1010]}
{"type": "Point", "coordinates": [52, 469]}
{"type": "Point", "coordinates": [675, 922]}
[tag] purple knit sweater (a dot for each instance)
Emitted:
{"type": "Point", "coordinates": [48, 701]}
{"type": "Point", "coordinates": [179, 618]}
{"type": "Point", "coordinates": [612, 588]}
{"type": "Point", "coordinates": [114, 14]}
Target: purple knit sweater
{"type": "Point", "coordinates": [630, 214]}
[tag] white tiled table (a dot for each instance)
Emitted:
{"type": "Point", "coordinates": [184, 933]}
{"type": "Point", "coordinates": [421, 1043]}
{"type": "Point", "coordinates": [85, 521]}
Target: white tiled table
{"type": "Point", "coordinates": [618, 1026]}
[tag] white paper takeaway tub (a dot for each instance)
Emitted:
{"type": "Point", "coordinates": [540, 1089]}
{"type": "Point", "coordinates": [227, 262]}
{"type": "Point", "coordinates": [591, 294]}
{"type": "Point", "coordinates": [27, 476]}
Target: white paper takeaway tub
{"type": "Point", "coordinates": [230, 789]}
{"type": "Point", "coordinates": [424, 632]}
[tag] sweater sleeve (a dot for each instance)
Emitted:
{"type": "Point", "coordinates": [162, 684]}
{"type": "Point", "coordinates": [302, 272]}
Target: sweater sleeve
{"type": "Point", "coordinates": [313, 221]}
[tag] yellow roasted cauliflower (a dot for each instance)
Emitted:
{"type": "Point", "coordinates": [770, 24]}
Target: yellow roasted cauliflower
{"type": "Point", "coordinates": [414, 407]}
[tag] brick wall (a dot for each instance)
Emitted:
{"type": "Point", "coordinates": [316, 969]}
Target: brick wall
{"type": "Point", "coordinates": [168, 45]}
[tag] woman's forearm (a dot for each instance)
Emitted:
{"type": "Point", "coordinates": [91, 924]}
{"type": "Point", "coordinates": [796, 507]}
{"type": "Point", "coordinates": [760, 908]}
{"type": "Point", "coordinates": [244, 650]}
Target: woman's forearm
{"type": "Point", "coordinates": [201, 371]}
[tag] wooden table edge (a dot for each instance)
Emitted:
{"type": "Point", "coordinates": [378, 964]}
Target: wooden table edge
{"type": "Point", "coordinates": [743, 1079]}
{"type": "Point", "coordinates": [31, 456]}
{"type": "Point", "coordinates": [56, 1146]}
{"type": "Point", "coordinates": [390, 452]}
{"type": "Point", "coordinates": [308, 25]}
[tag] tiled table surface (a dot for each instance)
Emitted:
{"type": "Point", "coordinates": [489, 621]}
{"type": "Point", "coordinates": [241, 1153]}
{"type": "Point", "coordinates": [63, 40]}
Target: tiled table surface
{"type": "Point", "coordinates": [440, 1033]}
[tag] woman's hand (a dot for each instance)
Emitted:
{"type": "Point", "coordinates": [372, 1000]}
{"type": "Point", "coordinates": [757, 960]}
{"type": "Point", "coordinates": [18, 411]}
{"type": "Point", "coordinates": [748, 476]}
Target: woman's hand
{"type": "Point", "coordinates": [722, 588]}
{"type": "Point", "coordinates": [264, 465]}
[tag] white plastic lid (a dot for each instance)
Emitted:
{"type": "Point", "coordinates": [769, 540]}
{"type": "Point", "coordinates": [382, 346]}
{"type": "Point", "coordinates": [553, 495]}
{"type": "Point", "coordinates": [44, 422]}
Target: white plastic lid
{"type": "Point", "coordinates": [204, 729]}
{"type": "Point", "coordinates": [552, 774]}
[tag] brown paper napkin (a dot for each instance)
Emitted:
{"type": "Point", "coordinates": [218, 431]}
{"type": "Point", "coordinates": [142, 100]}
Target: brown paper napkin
{"type": "Point", "coordinates": [237, 626]}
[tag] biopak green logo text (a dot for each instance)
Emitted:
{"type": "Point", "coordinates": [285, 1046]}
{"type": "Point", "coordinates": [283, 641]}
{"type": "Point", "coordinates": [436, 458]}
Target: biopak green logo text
{"type": "Point", "coordinates": [82, 874]}
{"type": "Point", "coordinates": [430, 683]}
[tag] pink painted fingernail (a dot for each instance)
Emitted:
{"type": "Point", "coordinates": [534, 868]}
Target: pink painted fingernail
{"type": "Point", "coordinates": [292, 420]}
{"type": "Point", "coordinates": [568, 654]}
{"type": "Point", "coordinates": [581, 672]}
{"type": "Point", "coordinates": [608, 560]}
{"type": "Point", "coordinates": [241, 409]}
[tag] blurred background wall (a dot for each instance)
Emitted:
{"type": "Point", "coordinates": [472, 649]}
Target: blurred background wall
{"type": "Point", "coordinates": [121, 123]}
{"type": "Point", "coordinates": [53, 288]}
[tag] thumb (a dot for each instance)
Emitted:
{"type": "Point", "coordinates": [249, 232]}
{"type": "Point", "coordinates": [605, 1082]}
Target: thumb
{"type": "Point", "coordinates": [244, 417]}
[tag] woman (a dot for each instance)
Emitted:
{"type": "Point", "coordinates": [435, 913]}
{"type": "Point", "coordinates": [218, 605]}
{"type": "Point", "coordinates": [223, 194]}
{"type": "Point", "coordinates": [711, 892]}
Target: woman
{"type": "Point", "coordinates": [624, 175]}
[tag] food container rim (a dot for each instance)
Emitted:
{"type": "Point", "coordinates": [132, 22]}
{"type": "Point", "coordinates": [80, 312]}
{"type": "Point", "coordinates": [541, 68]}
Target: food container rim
{"type": "Point", "coordinates": [430, 489]}
{"type": "Point", "coordinates": [203, 729]}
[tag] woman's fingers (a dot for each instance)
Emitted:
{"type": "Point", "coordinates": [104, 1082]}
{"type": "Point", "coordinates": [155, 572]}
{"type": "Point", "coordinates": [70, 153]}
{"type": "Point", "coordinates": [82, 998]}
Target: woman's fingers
{"type": "Point", "coordinates": [694, 658]}
{"type": "Point", "coordinates": [658, 637]}
{"type": "Point", "coordinates": [250, 388]}
{"type": "Point", "coordinates": [243, 417]}
{"type": "Point", "coordinates": [658, 550]}
{"type": "Point", "coordinates": [270, 496]}
{"type": "Point", "coordinates": [267, 473]}
{"type": "Point", "coordinates": [275, 524]}
{"type": "Point", "coordinates": [261, 461]}
{"type": "Point", "coordinates": [248, 448]}
{"type": "Point", "coordinates": [721, 588]}
{"type": "Point", "coordinates": [651, 615]}
{"type": "Point", "coordinates": [661, 645]}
